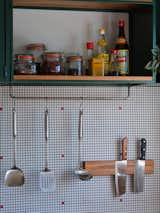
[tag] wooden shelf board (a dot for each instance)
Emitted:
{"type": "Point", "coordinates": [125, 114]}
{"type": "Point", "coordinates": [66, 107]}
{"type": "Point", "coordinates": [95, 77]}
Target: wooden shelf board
{"type": "Point", "coordinates": [78, 4]}
{"type": "Point", "coordinates": [80, 78]}
{"type": "Point", "coordinates": [107, 167]}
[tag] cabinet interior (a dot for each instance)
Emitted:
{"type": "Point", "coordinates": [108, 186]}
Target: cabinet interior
{"type": "Point", "coordinates": [138, 17]}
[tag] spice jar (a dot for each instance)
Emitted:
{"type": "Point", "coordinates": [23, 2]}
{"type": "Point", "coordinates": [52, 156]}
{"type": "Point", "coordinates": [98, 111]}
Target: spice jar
{"type": "Point", "coordinates": [74, 65]}
{"type": "Point", "coordinates": [52, 63]}
{"type": "Point", "coordinates": [24, 64]}
{"type": "Point", "coordinates": [36, 49]}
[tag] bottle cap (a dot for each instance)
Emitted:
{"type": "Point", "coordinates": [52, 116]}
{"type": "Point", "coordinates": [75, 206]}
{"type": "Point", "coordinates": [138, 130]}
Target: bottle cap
{"type": "Point", "coordinates": [121, 23]}
{"type": "Point", "coordinates": [114, 51]}
{"type": "Point", "coordinates": [102, 31]}
{"type": "Point", "coordinates": [24, 56]}
{"type": "Point", "coordinates": [90, 45]}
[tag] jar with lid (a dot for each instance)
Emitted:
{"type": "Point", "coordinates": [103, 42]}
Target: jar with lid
{"type": "Point", "coordinates": [24, 64]}
{"type": "Point", "coordinates": [52, 63]}
{"type": "Point", "coordinates": [74, 65]}
{"type": "Point", "coordinates": [36, 49]}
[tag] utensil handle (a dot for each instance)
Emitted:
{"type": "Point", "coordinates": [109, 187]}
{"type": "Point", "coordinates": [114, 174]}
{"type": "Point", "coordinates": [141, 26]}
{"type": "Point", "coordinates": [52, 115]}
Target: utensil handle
{"type": "Point", "coordinates": [80, 124]}
{"type": "Point", "coordinates": [14, 122]}
{"type": "Point", "coordinates": [46, 124]}
{"type": "Point", "coordinates": [124, 148]}
{"type": "Point", "coordinates": [143, 145]}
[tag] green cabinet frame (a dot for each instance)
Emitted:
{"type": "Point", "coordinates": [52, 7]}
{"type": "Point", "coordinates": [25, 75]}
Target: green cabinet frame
{"type": "Point", "coordinates": [2, 40]}
{"type": "Point", "coordinates": [152, 37]}
{"type": "Point", "coordinates": [5, 41]}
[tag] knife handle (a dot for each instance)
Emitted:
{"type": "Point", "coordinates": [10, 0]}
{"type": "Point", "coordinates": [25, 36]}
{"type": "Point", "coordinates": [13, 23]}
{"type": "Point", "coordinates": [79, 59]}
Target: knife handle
{"type": "Point", "coordinates": [124, 148]}
{"type": "Point", "coordinates": [143, 145]}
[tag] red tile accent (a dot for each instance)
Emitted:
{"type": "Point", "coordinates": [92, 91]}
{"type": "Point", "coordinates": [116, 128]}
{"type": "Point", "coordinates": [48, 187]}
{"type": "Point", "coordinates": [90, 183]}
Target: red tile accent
{"type": "Point", "coordinates": [62, 155]}
{"type": "Point", "coordinates": [62, 108]}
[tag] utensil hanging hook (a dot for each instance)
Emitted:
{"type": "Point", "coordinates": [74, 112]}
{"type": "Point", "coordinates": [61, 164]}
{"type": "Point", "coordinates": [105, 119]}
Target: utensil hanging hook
{"type": "Point", "coordinates": [14, 103]}
{"type": "Point", "coordinates": [81, 103]}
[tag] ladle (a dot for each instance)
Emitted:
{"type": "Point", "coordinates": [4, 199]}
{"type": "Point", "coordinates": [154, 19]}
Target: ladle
{"type": "Point", "coordinates": [80, 172]}
{"type": "Point", "coordinates": [14, 176]}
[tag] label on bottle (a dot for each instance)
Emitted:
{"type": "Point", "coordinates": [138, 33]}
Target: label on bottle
{"type": "Point", "coordinates": [121, 40]}
{"type": "Point", "coordinates": [123, 61]}
{"type": "Point", "coordinates": [97, 67]}
{"type": "Point", "coordinates": [106, 62]}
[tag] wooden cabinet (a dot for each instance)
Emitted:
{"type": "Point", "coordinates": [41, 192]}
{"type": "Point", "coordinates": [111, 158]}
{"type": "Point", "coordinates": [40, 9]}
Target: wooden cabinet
{"type": "Point", "coordinates": [143, 33]}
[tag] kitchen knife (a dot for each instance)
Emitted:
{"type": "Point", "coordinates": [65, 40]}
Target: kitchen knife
{"type": "Point", "coordinates": [121, 169]}
{"type": "Point", "coordinates": [140, 166]}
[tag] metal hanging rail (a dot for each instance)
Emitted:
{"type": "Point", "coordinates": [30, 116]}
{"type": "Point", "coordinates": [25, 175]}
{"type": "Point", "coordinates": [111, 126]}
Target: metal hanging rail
{"type": "Point", "coordinates": [12, 96]}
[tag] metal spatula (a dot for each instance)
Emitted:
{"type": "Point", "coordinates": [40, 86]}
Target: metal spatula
{"type": "Point", "coordinates": [47, 178]}
{"type": "Point", "coordinates": [14, 176]}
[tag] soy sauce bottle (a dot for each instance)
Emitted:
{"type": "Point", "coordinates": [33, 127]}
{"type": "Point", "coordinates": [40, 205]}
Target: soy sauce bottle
{"type": "Point", "coordinates": [122, 48]}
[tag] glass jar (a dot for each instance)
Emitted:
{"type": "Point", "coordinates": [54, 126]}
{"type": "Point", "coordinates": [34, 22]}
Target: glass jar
{"type": "Point", "coordinates": [52, 63]}
{"type": "Point", "coordinates": [24, 64]}
{"type": "Point", "coordinates": [37, 50]}
{"type": "Point", "coordinates": [74, 65]}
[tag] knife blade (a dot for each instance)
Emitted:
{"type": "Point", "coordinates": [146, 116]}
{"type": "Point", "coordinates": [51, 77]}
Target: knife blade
{"type": "Point", "coordinates": [140, 167]}
{"type": "Point", "coordinates": [121, 169]}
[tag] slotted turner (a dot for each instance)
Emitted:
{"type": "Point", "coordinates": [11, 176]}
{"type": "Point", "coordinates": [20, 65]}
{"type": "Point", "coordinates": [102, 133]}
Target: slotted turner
{"type": "Point", "coordinates": [47, 178]}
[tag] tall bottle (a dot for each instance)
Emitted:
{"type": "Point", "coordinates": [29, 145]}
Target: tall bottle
{"type": "Point", "coordinates": [103, 50]}
{"type": "Point", "coordinates": [122, 50]}
{"type": "Point", "coordinates": [90, 47]}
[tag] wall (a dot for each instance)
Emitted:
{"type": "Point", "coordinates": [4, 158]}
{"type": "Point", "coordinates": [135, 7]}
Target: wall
{"type": "Point", "coordinates": [105, 123]}
{"type": "Point", "coordinates": [58, 30]}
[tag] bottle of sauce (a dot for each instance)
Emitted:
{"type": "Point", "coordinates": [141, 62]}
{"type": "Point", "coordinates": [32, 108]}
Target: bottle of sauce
{"type": "Point", "coordinates": [122, 50]}
{"type": "Point", "coordinates": [103, 50]}
{"type": "Point", "coordinates": [90, 46]}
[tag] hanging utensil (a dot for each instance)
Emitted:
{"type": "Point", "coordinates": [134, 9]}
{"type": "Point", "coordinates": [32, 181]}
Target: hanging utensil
{"type": "Point", "coordinates": [121, 169]}
{"type": "Point", "coordinates": [80, 172]}
{"type": "Point", "coordinates": [14, 176]}
{"type": "Point", "coordinates": [47, 178]}
{"type": "Point", "coordinates": [140, 166]}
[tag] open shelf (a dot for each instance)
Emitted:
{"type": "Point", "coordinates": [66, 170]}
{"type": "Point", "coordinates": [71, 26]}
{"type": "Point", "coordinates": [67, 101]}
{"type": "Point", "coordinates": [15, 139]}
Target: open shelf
{"type": "Point", "coordinates": [66, 80]}
{"type": "Point", "coordinates": [82, 78]}
{"type": "Point", "coordinates": [121, 5]}
{"type": "Point", "coordinates": [140, 13]}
